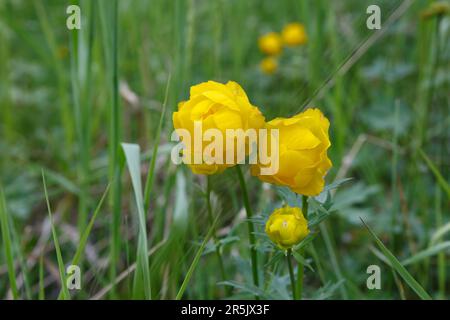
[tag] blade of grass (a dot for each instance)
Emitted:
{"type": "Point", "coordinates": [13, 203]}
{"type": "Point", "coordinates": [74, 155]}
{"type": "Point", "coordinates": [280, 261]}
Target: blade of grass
{"type": "Point", "coordinates": [440, 179]}
{"type": "Point", "coordinates": [41, 295]}
{"type": "Point", "coordinates": [62, 275]}
{"type": "Point", "coordinates": [115, 116]}
{"type": "Point", "coordinates": [431, 251]}
{"type": "Point", "coordinates": [132, 156]}
{"type": "Point", "coordinates": [397, 266]}
{"type": "Point", "coordinates": [194, 263]}
{"type": "Point", "coordinates": [24, 274]}
{"type": "Point", "coordinates": [439, 233]}
{"type": "Point", "coordinates": [87, 231]}
{"type": "Point", "coordinates": [7, 247]}
{"type": "Point", "coordinates": [83, 240]}
{"type": "Point", "coordinates": [151, 169]}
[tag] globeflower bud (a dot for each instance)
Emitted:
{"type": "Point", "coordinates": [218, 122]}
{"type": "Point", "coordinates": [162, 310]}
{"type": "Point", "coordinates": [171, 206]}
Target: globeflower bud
{"type": "Point", "coordinates": [270, 43]}
{"type": "Point", "coordinates": [286, 227]}
{"type": "Point", "coordinates": [294, 34]}
{"type": "Point", "coordinates": [269, 65]}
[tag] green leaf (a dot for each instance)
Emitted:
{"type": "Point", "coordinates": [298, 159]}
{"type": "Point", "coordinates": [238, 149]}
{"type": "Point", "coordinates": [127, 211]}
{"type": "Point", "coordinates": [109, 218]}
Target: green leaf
{"type": "Point", "coordinates": [397, 266]}
{"type": "Point", "coordinates": [327, 291]}
{"type": "Point", "coordinates": [132, 155]}
{"type": "Point", "coordinates": [247, 288]}
{"type": "Point", "coordinates": [299, 258]}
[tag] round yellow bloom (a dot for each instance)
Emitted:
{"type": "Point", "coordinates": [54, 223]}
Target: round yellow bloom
{"type": "Point", "coordinates": [294, 34]}
{"type": "Point", "coordinates": [302, 153]}
{"type": "Point", "coordinates": [287, 226]}
{"type": "Point", "coordinates": [270, 43]}
{"type": "Point", "coordinates": [268, 65]}
{"type": "Point", "coordinates": [215, 106]}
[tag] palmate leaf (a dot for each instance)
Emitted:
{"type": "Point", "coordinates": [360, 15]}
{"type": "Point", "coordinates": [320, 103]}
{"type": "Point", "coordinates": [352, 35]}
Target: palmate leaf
{"type": "Point", "coordinates": [397, 266]}
{"type": "Point", "coordinates": [289, 197]}
{"type": "Point", "coordinates": [324, 196]}
{"type": "Point", "coordinates": [300, 259]}
{"type": "Point", "coordinates": [327, 291]}
{"type": "Point", "coordinates": [247, 288]}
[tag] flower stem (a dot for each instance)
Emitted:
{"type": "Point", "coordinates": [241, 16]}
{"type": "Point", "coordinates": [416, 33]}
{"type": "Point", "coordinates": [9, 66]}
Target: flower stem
{"type": "Point", "coordinates": [291, 273]}
{"type": "Point", "coordinates": [216, 241]}
{"type": "Point", "coordinates": [251, 229]}
{"type": "Point", "coordinates": [300, 267]}
{"type": "Point", "coordinates": [300, 273]}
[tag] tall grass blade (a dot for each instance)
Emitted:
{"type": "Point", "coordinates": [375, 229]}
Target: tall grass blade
{"type": "Point", "coordinates": [132, 156]}
{"type": "Point", "coordinates": [431, 251]}
{"type": "Point", "coordinates": [440, 179]}
{"type": "Point", "coordinates": [41, 294]}
{"type": "Point", "coordinates": [83, 240]}
{"type": "Point", "coordinates": [194, 263]}
{"type": "Point", "coordinates": [62, 274]}
{"type": "Point", "coordinates": [7, 246]}
{"type": "Point", "coordinates": [151, 169]}
{"type": "Point", "coordinates": [397, 266]}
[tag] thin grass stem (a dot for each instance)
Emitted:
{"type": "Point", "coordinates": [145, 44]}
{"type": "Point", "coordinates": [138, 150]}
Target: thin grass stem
{"type": "Point", "coordinates": [251, 228]}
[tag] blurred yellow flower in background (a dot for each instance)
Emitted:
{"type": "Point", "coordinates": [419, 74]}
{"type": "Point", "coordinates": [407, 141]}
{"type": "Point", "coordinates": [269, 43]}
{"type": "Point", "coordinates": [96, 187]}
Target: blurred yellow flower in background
{"type": "Point", "coordinates": [215, 106]}
{"type": "Point", "coordinates": [436, 9]}
{"type": "Point", "coordinates": [303, 159]}
{"type": "Point", "coordinates": [286, 227]}
{"type": "Point", "coordinates": [270, 43]}
{"type": "Point", "coordinates": [294, 34]}
{"type": "Point", "coordinates": [268, 65]}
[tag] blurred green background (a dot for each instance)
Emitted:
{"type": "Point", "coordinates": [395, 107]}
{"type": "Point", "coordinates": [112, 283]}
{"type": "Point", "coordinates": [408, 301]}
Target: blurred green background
{"type": "Point", "coordinates": [69, 98]}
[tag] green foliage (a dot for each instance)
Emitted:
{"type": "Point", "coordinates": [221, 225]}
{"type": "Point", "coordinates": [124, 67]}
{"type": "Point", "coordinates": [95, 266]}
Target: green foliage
{"type": "Point", "coordinates": [68, 99]}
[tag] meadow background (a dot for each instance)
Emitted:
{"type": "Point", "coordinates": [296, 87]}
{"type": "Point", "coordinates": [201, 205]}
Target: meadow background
{"type": "Point", "coordinates": [68, 99]}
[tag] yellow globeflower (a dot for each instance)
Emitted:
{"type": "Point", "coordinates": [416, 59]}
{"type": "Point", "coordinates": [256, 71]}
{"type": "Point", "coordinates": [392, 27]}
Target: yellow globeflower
{"type": "Point", "coordinates": [302, 158]}
{"type": "Point", "coordinates": [268, 65]}
{"type": "Point", "coordinates": [286, 227]}
{"type": "Point", "coordinates": [294, 34]}
{"type": "Point", "coordinates": [214, 105]}
{"type": "Point", "coordinates": [270, 43]}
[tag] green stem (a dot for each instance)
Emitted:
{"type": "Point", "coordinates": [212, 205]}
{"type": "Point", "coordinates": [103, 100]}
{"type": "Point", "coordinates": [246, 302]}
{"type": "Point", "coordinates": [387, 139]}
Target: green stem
{"type": "Point", "coordinates": [300, 273]}
{"type": "Point", "coordinates": [305, 206]}
{"type": "Point", "coordinates": [216, 241]}
{"type": "Point", "coordinates": [291, 274]}
{"type": "Point", "coordinates": [251, 229]}
{"type": "Point", "coordinates": [114, 140]}
{"type": "Point", "coordinates": [301, 267]}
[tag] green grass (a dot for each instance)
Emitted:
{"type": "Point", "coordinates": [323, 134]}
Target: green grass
{"type": "Point", "coordinates": [61, 268]}
{"type": "Point", "coordinates": [398, 267]}
{"type": "Point", "coordinates": [7, 246]}
{"type": "Point", "coordinates": [94, 107]}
